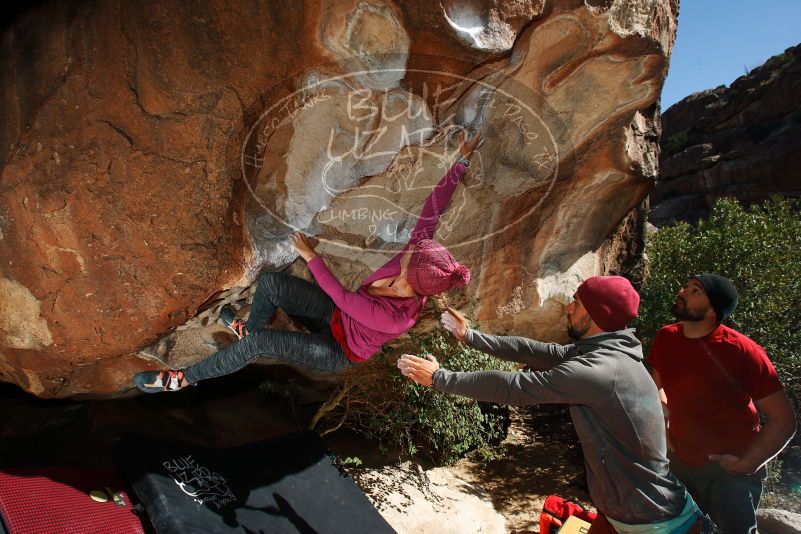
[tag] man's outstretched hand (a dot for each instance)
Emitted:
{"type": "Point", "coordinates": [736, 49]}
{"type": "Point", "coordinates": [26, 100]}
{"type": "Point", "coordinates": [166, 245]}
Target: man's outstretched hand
{"type": "Point", "coordinates": [421, 370]}
{"type": "Point", "coordinates": [453, 325]}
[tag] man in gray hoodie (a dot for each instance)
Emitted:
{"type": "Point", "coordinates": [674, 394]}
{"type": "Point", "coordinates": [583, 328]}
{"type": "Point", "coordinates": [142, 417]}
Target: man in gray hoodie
{"type": "Point", "coordinates": [613, 401]}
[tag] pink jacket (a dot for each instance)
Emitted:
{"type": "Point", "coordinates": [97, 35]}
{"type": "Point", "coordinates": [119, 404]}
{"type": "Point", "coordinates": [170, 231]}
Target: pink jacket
{"type": "Point", "coordinates": [370, 320]}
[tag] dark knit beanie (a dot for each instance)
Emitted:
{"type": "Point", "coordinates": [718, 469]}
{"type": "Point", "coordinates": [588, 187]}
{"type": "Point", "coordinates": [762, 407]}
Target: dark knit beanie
{"type": "Point", "coordinates": [433, 269]}
{"type": "Point", "coordinates": [611, 301]}
{"type": "Point", "coordinates": [721, 292]}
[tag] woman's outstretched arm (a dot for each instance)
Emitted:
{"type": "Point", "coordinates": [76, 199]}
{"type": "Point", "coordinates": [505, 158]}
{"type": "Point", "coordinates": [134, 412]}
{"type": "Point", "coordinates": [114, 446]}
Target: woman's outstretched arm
{"type": "Point", "coordinates": [438, 200]}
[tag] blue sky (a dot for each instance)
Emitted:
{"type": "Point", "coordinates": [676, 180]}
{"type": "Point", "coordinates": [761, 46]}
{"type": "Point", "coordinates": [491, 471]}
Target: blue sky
{"type": "Point", "coordinates": [719, 39]}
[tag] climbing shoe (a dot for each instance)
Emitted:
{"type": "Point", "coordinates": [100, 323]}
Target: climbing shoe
{"type": "Point", "coordinates": [158, 381]}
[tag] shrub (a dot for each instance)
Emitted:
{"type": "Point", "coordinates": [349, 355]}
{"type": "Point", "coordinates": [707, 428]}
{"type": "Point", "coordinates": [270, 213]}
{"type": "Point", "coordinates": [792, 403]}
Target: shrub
{"type": "Point", "coordinates": [759, 249]}
{"type": "Point", "coordinates": [676, 143]}
{"type": "Point", "coordinates": [379, 402]}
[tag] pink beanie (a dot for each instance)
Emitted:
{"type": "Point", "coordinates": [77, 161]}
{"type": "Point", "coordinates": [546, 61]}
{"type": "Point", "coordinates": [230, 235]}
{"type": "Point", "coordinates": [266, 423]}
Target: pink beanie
{"type": "Point", "coordinates": [611, 301]}
{"type": "Point", "coordinates": [433, 270]}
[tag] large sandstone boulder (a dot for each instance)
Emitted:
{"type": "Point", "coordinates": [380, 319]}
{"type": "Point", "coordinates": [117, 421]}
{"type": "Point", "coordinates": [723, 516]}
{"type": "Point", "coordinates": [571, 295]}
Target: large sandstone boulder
{"type": "Point", "coordinates": [156, 156]}
{"type": "Point", "coordinates": [742, 141]}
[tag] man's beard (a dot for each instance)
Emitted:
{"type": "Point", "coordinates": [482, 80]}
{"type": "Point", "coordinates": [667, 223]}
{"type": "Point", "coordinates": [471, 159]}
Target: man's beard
{"type": "Point", "coordinates": [577, 332]}
{"type": "Point", "coordinates": [680, 312]}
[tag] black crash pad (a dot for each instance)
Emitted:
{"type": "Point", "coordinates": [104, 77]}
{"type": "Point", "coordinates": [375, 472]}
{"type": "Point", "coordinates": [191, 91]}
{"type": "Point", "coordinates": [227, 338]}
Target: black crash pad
{"type": "Point", "coordinates": [284, 485]}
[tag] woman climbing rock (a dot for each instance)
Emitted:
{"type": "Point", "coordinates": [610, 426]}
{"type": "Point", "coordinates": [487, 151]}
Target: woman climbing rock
{"type": "Point", "coordinates": [356, 323]}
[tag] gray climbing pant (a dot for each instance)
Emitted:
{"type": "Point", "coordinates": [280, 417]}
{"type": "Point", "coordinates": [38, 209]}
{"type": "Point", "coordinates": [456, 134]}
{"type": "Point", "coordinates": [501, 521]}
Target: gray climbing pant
{"type": "Point", "coordinates": [317, 350]}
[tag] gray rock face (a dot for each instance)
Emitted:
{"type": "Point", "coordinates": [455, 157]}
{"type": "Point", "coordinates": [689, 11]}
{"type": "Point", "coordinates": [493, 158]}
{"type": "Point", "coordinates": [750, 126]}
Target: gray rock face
{"type": "Point", "coordinates": [153, 158]}
{"type": "Point", "coordinates": [742, 141]}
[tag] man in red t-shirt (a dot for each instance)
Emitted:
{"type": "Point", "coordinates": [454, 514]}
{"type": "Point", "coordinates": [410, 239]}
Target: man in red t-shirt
{"type": "Point", "coordinates": [712, 380]}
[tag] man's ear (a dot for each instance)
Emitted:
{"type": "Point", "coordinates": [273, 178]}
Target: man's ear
{"type": "Point", "coordinates": [710, 314]}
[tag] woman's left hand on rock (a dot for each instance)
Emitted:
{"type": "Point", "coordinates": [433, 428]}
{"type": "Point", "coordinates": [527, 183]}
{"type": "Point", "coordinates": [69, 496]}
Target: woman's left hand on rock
{"type": "Point", "coordinates": [303, 246]}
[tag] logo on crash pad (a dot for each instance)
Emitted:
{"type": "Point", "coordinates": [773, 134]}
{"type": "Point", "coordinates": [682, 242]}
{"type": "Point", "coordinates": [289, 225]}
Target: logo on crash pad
{"type": "Point", "coordinates": [199, 482]}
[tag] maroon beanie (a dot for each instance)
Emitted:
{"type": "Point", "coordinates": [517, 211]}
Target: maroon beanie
{"type": "Point", "coordinates": [611, 301]}
{"type": "Point", "coordinates": [433, 270]}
